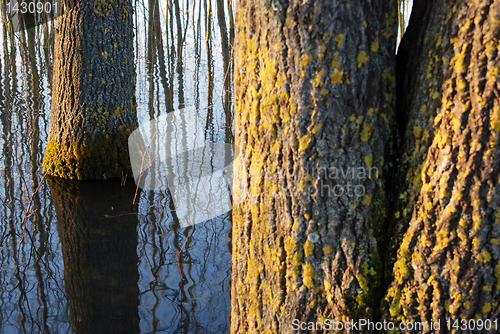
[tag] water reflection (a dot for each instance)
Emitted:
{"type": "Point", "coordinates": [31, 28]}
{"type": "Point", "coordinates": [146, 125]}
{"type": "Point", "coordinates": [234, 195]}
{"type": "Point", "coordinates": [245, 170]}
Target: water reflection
{"type": "Point", "coordinates": [97, 227]}
{"type": "Point", "coordinates": [61, 245]}
{"type": "Point", "coordinates": [198, 177]}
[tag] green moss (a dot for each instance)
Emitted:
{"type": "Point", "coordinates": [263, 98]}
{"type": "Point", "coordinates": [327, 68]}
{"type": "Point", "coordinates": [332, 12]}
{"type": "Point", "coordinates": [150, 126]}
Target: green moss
{"type": "Point", "coordinates": [104, 157]}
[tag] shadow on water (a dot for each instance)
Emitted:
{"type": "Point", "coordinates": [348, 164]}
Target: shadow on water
{"type": "Point", "coordinates": [98, 232]}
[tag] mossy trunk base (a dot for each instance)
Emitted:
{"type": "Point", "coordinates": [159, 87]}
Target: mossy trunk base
{"type": "Point", "coordinates": [101, 159]}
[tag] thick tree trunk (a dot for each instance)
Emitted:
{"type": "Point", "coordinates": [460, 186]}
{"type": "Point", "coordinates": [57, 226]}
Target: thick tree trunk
{"type": "Point", "coordinates": [314, 101]}
{"type": "Point", "coordinates": [93, 104]}
{"type": "Point", "coordinates": [447, 264]}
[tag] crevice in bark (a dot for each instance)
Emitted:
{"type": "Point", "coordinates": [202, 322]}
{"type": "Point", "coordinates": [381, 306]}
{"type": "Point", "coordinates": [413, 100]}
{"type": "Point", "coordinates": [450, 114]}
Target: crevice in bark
{"type": "Point", "coordinates": [411, 45]}
{"type": "Point", "coordinates": [406, 64]}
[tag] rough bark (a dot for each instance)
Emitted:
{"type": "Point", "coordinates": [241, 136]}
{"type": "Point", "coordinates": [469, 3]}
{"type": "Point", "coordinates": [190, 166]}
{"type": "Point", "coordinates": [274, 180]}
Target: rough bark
{"type": "Point", "coordinates": [98, 232]}
{"type": "Point", "coordinates": [93, 104]}
{"type": "Point", "coordinates": [314, 94]}
{"type": "Point", "coordinates": [447, 264]}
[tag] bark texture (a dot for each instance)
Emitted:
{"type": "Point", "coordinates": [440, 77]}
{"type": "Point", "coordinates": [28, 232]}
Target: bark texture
{"type": "Point", "coordinates": [447, 264]}
{"type": "Point", "coordinates": [98, 243]}
{"type": "Point", "coordinates": [93, 104]}
{"type": "Point", "coordinates": [314, 109]}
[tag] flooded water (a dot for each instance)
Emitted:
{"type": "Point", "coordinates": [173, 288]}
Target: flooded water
{"type": "Point", "coordinates": [105, 256]}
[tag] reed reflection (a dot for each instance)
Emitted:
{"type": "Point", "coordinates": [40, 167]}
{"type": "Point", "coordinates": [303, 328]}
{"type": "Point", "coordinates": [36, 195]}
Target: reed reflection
{"type": "Point", "coordinates": [98, 231]}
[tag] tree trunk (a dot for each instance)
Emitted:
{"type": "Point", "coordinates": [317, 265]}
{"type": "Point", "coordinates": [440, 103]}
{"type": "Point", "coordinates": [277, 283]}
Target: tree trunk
{"type": "Point", "coordinates": [314, 105]}
{"type": "Point", "coordinates": [447, 264]}
{"type": "Point", "coordinates": [93, 104]}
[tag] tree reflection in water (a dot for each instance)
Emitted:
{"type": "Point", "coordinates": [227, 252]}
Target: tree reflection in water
{"type": "Point", "coordinates": [98, 233]}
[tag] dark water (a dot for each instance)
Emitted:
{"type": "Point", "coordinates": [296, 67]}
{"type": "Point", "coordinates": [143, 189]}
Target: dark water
{"type": "Point", "coordinates": [104, 256]}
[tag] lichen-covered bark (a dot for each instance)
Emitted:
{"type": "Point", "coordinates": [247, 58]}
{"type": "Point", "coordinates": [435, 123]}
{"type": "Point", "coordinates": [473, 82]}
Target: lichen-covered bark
{"type": "Point", "coordinates": [93, 105]}
{"type": "Point", "coordinates": [447, 264]}
{"type": "Point", "coordinates": [98, 233]}
{"type": "Point", "coordinates": [314, 94]}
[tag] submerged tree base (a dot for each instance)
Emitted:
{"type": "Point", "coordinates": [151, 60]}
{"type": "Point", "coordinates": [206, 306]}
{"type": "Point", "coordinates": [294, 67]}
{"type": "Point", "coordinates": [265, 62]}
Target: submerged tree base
{"type": "Point", "coordinates": [106, 157]}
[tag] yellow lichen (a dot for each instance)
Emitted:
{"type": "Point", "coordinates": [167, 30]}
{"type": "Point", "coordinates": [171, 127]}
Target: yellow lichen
{"type": "Point", "coordinates": [375, 45]}
{"type": "Point", "coordinates": [308, 248]}
{"type": "Point", "coordinates": [103, 7]}
{"type": "Point", "coordinates": [304, 142]}
{"type": "Point", "coordinates": [316, 128]}
{"type": "Point", "coordinates": [369, 160]}
{"type": "Point", "coordinates": [365, 134]}
{"type": "Point", "coordinates": [417, 131]}
{"type": "Point", "coordinates": [495, 118]}
{"type": "Point", "coordinates": [484, 256]}
{"type": "Point", "coordinates": [306, 60]}
{"type": "Point", "coordinates": [367, 199]}
{"type": "Point", "coordinates": [486, 308]}
{"type": "Point", "coordinates": [362, 58]}
{"type": "Point", "coordinates": [336, 61]}
{"type": "Point", "coordinates": [339, 39]}
{"type": "Point", "coordinates": [336, 76]}
{"type": "Point", "coordinates": [309, 275]}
